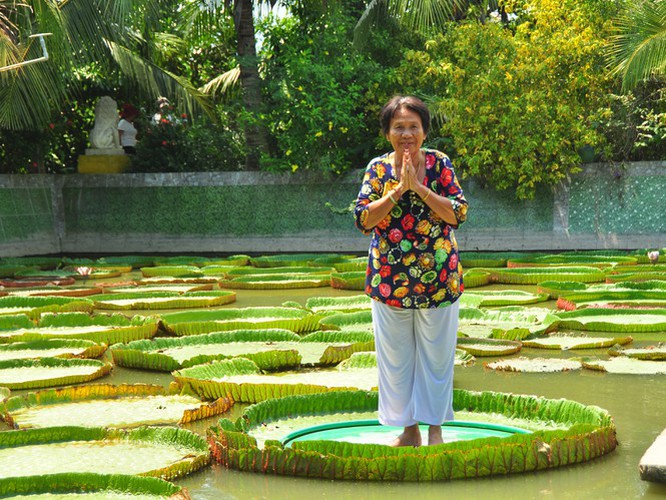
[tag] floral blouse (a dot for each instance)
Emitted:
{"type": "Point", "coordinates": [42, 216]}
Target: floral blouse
{"type": "Point", "coordinates": [413, 258]}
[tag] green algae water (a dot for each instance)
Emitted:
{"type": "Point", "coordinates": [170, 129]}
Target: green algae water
{"type": "Point", "coordinates": [636, 402]}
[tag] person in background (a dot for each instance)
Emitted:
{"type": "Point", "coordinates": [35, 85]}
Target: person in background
{"type": "Point", "coordinates": [127, 132]}
{"type": "Point", "coordinates": [410, 201]}
{"type": "Point", "coordinates": [163, 110]}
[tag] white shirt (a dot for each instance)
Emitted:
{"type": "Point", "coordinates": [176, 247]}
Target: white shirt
{"type": "Point", "coordinates": [128, 136]}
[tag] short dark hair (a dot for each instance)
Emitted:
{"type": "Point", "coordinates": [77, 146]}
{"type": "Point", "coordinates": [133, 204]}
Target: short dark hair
{"type": "Point", "coordinates": [411, 103]}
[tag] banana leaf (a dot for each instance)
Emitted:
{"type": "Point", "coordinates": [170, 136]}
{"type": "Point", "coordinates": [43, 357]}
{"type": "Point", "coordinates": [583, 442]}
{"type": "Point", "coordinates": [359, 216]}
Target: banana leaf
{"type": "Point", "coordinates": [164, 452]}
{"type": "Point", "coordinates": [34, 307]}
{"type": "Point", "coordinates": [350, 280]}
{"type": "Point", "coordinates": [649, 353]}
{"type": "Point", "coordinates": [172, 271]}
{"type": "Point", "coordinates": [103, 329]}
{"type": "Point", "coordinates": [488, 347]}
{"type": "Point", "coordinates": [534, 365]}
{"type": "Point", "coordinates": [90, 485]}
{"type": "Point", "coordinates": [50, 372]}
{"type": "Point", "coordinates": [163, 300]}
{"type": "Point", "coordinates": [565, 342]}
{"type": "Point", "coordinates": [196, 322]}
{"type": "Point", "coordinates": [534, 275]}
{"type": "Point", "coordinates": [507, 297]}
{"type": "Point", "coordinates": [626, 366]}
{"type": "Point", "coordinates": [52, 348]}
{"type": "Point", "coordinates": [588, 433]}
{"type": "Point", "coordinates": [103, 405]}
{"type": "Point", "coordinates": [612, 320]}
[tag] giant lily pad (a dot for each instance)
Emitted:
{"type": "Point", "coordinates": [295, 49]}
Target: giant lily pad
{"type": "Point", "coordinates": [277, 281]}
{"type": "Point", "coordinates": [353, 264]}
{"type": "Point", "coordinates": [172, 271]}
{"type": "Point", "coordinates": [649, 353]}
{"type": "Point", "coordinates": [351, 303]}
{"type": "Point", "coordinates": [239, 272]}
{"type": "Point", "coordinates": [350, 280]}
{"type": "Point", "coordinates": [360, 321]}
{"type": "Point", "coordinates": [489, 347]}
{"type": "Point", "coordinates": [509, 323]}
{"type": "Point", "coordinates": [534, 275]}
{"type": "Point", "coordinates": [474, 278]}
{"type": "Point", "coordinates": [506, 297]}
{"type": "Point", "coordinates": [50, 372]}
{"type": "Point", "coordinates": [574, 341]}
{"type": "Point", "coordinates": [163, 300]}
{"type": "Point", "coordinates": [487, 259]}
{"type": "Point", "coordinates": [625, 365]}
{"type": "Point", "coordinates": [82, 486]}
{"type": "Point", "coordinates": [172, 288]}
{"type": "Point", "coordinates": [270, 349]}
{"type": "Point", "coordinates": [36, 306]}
{"type": "Point", "coordinates": [294, 259]}
{"type": "Point", "coordinates": [103, 405]}
{"type": "Point", "coordinates": [56, 291]}
{"type": "Point", "coordinates": [52, 348]}
{"type": "Point", "coordinates": [612, 320]}
{"type": "Point", "coordinates": [165, 452]}
{"type": "Point", "coordinates": [107, 329]}
{"type": "Point", "coordinates": [534, 365]}
{"type": "Point", "coordinates": [195, 322]}
{"type": "Point", "coordinates": [586, 432]}
{"type": "Point", "coordinates": [599, 261]}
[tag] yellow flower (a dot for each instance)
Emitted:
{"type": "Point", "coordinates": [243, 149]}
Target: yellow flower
{"type": "Point", "coordinates": [330, 125]}
{"type": "Point", "coordinates": [294, 167]}
{"type": "Point", "coordinates": [319, 134]}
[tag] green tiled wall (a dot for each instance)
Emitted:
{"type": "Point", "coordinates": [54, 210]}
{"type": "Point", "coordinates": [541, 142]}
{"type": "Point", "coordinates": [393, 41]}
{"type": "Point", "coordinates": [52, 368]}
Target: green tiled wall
{"type": "Point", "coordinates": [25, 212]}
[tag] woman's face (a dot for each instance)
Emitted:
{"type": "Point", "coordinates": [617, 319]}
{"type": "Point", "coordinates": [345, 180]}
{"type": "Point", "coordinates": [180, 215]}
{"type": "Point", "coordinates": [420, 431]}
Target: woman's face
{"type": "Point", "coordinates": [406, 132]}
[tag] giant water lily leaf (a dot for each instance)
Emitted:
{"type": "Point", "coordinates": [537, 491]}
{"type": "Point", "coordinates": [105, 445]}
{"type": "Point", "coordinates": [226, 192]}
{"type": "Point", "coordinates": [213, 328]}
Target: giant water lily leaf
{"type": "Point", "coordinates": [277, 281]}
{"type": "Point", "coordinates": [50, 372]}
{"type": "Point", "coordinates": [618, 297]}
{"type": "Point", "coordinates": [296, 259]}
{"type": "Point", "coordinates": [649, 353]}
{"type": "Point", "coordinates": [534, 275]}
{"type": "Point", "coordinates": [510, 323]}
{"type": "Point", "coordinates": [474, 278]}
{"type": "Point", "coordinates": [52, 348]}
{"type": "Point", "coordinates": [82, 486]}
{"type": "Point", "coordinates": [163, 300]}
{"type": "Point", "coordinates": [107, 329]}
{"type": "Point", "coordinates": [573, 429]}
{"type": "Point", "coordinates": [56, 291]}
{"type": "Point", "coordinates": [625, 365]}
{"type": "Point", "coordinates": [179, 288]}
{"type": "Point", "coordinates": [172, 271]}
{"type": "Point", "coordinates": [4, 393]}
{"type": "Point", "coordinates": [350, 280]}
{"type": "Point", "coordinates": [489, 347]}
{"type": "Point", "coordinates": [165, 452]}
{"type": "Point", "coordinates": [295, 271]}
{"type": "Point", "coordinates": [241, 380]}
{"type": "Point", "coordinates": [360, 321]}
{"type": "Point", "coordinates": [270, 349]}
{"type": "Point", "coordinates": [351, 303]}
{"type": "Point", "coordinates": [646, 275]}
{"type": "Point", "coordinates": [196, 322]}
{"type": "Point", "coordinates": [555, 288]}
{"type": "Point", "coordinates": [506, 297]}
{"type": "Point", "coordinates": [487, 259]}
{"type": "Point", "coordinates": [39, 262]}
{"type": "Point", "coordinates": [534, 365]}
{"type": "Point", "coordinates": [169, 280]}
{"type": "Point", "coordinates": [36, 306]}
{"type": "Point", "coordinates": [102, 405]}
{"type": "Point", "coordinates": [599, 261]}
{"type": "Point", "coordinates": [612, 320]}
{"type": "Point", "coordinates": [574, 341]}
{"type": "Point", "coordinates": [353, 264]}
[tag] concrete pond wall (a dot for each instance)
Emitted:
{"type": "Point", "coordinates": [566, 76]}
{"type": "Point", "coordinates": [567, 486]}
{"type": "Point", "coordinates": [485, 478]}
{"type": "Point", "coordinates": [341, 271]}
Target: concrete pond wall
{"type": "Point", "coordinates": [603, 207]}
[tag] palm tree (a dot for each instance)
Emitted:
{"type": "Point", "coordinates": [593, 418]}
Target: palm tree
{"type": "Point", "coordinates": [638, 50]}
{"type": "Point", "coordinates": [84, 33]}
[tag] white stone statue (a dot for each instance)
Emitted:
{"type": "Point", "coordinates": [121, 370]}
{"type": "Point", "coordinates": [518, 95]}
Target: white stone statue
{"type": "Point", "coordinates": [104, 134]}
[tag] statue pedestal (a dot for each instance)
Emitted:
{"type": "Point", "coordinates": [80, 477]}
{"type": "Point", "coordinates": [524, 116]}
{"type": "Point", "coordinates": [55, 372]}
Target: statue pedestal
{"type": "Point", "coordinates": [103, 163]}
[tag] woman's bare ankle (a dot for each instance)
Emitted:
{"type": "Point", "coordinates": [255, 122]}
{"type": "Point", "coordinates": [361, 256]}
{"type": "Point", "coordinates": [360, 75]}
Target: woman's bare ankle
{"type": "Point", "coordinates": [435, 435]}
{"type": "Point", "coordinates": [411, 436]}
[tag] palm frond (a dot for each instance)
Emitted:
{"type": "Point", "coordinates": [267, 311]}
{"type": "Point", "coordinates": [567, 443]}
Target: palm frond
{"type": "Point", "coordinates": [374, 13]}
{"type": "Point", "coordinates": [424, 15]}
{"type": "Point", "coordinates": [638, 50]}
{"type": "Point", "coordinates": [224, 82]}
{"type": "Point", "coordinates": [156, 81]}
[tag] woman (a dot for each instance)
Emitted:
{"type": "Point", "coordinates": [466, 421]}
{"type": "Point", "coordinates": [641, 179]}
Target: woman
{"type": "Point", "coordinates": [126, 130]}
{"type": "Point", "coordinates": [411, 201]}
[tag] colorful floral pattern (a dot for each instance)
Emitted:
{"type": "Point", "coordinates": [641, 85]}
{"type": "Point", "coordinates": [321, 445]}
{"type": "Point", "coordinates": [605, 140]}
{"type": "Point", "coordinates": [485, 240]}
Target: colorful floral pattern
{"type": "Point", "coordinates": [413, 259]}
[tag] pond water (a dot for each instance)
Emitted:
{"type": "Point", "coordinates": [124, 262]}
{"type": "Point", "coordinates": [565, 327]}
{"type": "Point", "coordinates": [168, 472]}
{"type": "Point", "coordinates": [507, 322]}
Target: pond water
{"type": "Point", "coordinates": [637, 403]}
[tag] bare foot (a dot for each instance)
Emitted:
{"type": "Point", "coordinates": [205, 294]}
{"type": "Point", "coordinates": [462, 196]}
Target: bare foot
{"type": "Point", "coordinates": [409, 437]}
{"type": "Point", "coordinates": [435, 435]}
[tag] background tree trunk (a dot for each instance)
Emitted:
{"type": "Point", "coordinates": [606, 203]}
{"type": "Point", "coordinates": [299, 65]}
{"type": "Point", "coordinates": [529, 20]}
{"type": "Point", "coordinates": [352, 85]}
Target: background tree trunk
{"type": "Point", "coordinates": [256, 138]}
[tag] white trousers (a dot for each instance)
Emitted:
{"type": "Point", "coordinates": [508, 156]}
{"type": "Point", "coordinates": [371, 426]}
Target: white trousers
{"type": "Point", "coordinates": [415, 355]}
